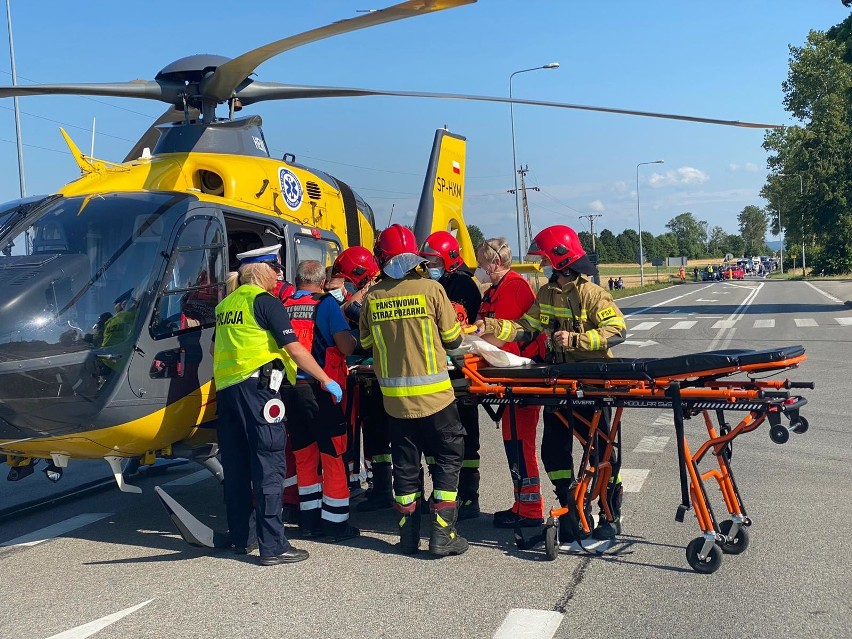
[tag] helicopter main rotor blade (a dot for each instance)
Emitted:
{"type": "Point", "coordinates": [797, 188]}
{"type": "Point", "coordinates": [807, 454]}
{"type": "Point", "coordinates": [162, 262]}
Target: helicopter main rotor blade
{"type": "Point", "coordinates": [260, 91]}
{"type": "Point", "coordinates": [152, 135]}
{"type": "Point", "coordinates": [228, 76]}
{"type": "Point", "coordinates": [147, 89]}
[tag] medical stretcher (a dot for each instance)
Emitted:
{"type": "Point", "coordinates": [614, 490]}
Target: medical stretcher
{"type": "Point", "coordinates": [696, 385]}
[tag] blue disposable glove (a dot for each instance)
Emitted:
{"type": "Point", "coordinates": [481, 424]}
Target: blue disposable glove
{"type": "Point", "coordinates": [335, 390]}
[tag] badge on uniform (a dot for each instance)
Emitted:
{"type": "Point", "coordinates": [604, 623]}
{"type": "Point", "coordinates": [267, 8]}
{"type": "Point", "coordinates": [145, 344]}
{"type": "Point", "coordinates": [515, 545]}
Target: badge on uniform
{"type": "Point", "coordinates": [273, 411]}
{"type": "Point", "coordinates": [276, 377]}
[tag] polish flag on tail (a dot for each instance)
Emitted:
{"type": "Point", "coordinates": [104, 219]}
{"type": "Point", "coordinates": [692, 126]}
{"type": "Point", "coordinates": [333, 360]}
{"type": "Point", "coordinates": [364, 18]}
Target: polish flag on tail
{"type": "Point", "coordinates": [456, 168]}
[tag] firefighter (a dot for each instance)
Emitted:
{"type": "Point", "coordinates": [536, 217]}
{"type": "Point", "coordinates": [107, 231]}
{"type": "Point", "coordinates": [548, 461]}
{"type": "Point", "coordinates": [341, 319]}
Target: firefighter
{"type": "Point", "coordinates": [580, 322]}
{"type": "Point", "coordinates": [317, 426]}
{"type": "Point", "coordinates": [445, 265]}
{"type": "Point", "coordinates": [409, 322]}
{"type": "Point", "coordinates": [255, 349]}
{"type": "Point", "coordinates": [358, 266]}
{"type": "Point", "coordinates": [508, 298]}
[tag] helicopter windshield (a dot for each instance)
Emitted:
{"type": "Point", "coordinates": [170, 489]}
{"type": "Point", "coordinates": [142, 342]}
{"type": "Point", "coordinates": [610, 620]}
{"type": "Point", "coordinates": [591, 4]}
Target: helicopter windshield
{"type": "Point", "coordinates": [76, 274]}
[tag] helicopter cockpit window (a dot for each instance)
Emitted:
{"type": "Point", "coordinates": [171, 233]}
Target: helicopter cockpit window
{"type": "Point", "coordinates": [78, 275]}
{"type": "Point", "coordinates": [194, 282]}
{"type": "Point", "coordinates": [311, 248]}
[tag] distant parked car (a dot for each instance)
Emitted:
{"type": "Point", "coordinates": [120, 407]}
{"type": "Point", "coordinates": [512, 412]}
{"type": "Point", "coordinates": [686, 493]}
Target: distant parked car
{"type": "Point", "coordinates": [734, 273]}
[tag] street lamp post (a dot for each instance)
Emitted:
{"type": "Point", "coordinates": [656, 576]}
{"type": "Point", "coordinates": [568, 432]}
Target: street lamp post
{"type": "Point", "coordinates": [801, 192]}
{"type": "Point", "coordinates": [639, 220]}
{"type": "Point", "coordinates": [551, 65]}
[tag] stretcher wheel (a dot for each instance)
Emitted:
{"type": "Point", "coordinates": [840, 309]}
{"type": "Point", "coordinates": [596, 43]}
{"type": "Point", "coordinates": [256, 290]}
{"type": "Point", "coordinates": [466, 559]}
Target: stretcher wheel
{"type": "Point", "coordinates": [800, 425]}
{"type": "Point", "coordinates": [779, 433]}
{"type": "Point", "coordinates": [551, 547]}
{"type": "Point", "coordinates": [710, 564]}
{"type": "Point", "coordinates": [740, 541]}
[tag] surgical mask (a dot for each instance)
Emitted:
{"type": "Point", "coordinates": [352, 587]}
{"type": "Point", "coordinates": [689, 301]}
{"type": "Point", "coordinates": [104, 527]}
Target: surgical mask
{"type": "Point", "coordinates": [482, 275]}
{"type": "Point", "coordinates": [436, 272]}
{"type": "Point", "coordinates": [548, 271]}
{"type": "Point", "coordinates": [337, 294]}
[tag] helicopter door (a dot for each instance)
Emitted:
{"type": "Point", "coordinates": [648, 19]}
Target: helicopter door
{"type": "Point", "coordinates": [172, 359]}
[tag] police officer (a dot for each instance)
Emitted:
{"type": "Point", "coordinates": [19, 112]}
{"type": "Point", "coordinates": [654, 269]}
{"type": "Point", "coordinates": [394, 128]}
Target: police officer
{"type": "Point", "coordinates": [255, 349]}
{"type": "Point", "coordinates": [358, 266]}
{"type": "Point", "coordinates": [581, 322]}
{"type": "Point", "coordinates": [445, 265]}
{"type": "Point", "coordinates": [316, 424]}
{"type": "Point", "coordinates": [408, 321]}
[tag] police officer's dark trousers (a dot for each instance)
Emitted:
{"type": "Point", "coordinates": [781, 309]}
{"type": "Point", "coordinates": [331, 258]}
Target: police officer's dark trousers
{"type": "Point", "coordinates": [469, 475]}
{"type": "Point", "coordinates": [252, 451]}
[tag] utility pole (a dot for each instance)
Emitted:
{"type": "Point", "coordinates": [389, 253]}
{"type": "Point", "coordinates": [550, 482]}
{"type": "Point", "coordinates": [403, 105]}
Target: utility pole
{"type": "Point", "coordinates": [592, 217]}
{"type": "Point", "coordinates": [527, 224]}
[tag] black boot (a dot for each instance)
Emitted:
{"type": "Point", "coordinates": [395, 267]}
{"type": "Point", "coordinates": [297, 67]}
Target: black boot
{"type": "Point", "coordinates": [468, 494]}
{"type": "Point", "coordinates": [609, 529]}
{"type": "Point", "coordinates": [570, 529]}
{"type": "Point", "coordinates": [409, 527]}
{"type": "Point", "coordinates": [310, 523]}
{"type": "Point", "coordinates": [444, 539]}
{"type": "Point", "coordinates": [380, 496]}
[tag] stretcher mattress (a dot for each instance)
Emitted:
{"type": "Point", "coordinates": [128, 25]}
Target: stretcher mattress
{"type": "Point", "coordinates": [649, 368]}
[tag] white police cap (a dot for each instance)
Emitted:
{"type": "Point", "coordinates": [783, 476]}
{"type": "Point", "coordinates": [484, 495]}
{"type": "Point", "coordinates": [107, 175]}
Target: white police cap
{"type": "Point", "coordinates": [262, 254]}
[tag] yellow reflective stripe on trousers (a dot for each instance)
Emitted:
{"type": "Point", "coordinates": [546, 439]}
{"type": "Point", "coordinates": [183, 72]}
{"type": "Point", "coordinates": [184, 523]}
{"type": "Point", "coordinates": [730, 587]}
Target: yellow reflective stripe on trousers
{"type": "Point", "coordinates": [382, 348]}
{"type": "Point", "coordinates": [429, 346]}
{"type": "Point", "coordinates": [395, 390]}
{"type": "Point", "coordinates": [405, 500]}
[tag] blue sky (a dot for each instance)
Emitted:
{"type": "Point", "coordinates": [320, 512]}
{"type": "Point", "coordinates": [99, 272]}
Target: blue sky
{"type": "Point", "coordinates": [723, 59]}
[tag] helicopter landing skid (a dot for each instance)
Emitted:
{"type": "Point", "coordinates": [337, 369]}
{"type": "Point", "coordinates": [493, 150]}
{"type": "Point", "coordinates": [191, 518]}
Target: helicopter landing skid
{"type": "Point", "coordinates": [193, 531]}
{"type": "Point", "coordinates": [115, 465]}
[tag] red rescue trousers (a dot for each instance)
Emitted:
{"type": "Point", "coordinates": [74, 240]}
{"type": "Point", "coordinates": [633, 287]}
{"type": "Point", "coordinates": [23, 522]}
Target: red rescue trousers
{"type": "Point", "coordinates": [529, 502]}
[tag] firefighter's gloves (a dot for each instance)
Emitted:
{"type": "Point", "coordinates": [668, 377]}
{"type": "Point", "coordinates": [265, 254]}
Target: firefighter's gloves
{"type": "Point", "coordinates": [334, 388]}
{"type": "Point", "coordinates": [566, 340]}
{"type": "Point", "coordinates": [488, 326]}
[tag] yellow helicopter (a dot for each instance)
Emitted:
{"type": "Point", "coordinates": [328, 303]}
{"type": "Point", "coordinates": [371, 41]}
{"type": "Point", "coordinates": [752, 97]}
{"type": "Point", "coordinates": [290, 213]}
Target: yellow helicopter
{"type": "Point", "coordinates": [110, 284]}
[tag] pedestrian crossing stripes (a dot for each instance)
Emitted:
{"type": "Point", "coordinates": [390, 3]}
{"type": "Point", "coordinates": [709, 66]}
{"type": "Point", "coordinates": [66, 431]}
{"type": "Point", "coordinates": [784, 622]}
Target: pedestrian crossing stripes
{"type": "Point", "coordinates": [742, 322]}
{"type": "Point", "coordinates": [664, 420]}
{"type": "Point", "coordinates": [651, 444]}
{"type": "Point", "coordinates": [633, 478]}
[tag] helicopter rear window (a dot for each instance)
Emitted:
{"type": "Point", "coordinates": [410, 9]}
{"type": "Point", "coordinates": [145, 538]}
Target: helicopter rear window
{"type": "Point", "coordinates": [311, 248]}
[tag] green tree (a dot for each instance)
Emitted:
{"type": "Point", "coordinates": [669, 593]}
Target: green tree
{"type": "Point", "coordinates": [667, 245]}
{"type": "Point", "coordinates": [691, 234]}
{"type": "Point", "coordinates": [715, 240]}
{"type": "Point", "coordinates": [753, 224]}
{"type": "Point", "coordinates": [476, 235]}
{"type": "Point", "coordinates": [818, 93]}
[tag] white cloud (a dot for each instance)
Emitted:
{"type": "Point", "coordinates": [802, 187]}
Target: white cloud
{"type": "Point", "coordinates": [683, 175]}
{"type": "Point", "coordinates": [597, 205]}
{"type": "Point", "coordinates": [749, 167]}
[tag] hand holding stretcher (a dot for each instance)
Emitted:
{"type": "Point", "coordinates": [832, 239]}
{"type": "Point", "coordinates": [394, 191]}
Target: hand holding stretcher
{"type": "Point", "coordinates": [688, 385]}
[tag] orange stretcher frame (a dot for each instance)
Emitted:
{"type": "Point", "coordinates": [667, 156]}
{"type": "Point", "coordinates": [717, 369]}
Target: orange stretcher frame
{"type": "Point", "coordinates": [690, 386]}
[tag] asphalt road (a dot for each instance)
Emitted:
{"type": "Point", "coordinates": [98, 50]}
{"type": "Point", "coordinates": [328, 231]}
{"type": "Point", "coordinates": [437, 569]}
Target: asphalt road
{"type": "Point", "coordinates": [794, 580]}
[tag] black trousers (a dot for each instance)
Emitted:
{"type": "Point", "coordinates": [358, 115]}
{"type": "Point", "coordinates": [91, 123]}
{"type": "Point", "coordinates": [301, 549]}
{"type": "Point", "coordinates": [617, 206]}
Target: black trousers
{"type": "Point", "coordinates": [558, 441]}
{"type": "Point", "coordinates": [469, 477]}
{"type": "Point", "coordinates": [439, 436]}
{"type": "Point", "coordinates": [252, 451]}
{"type": "Point", "coordinates": [376, 428]}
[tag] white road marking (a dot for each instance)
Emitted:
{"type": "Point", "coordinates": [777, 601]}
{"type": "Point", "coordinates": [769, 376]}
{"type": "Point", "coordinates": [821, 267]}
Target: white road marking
{"type": "Point", "coordinates": [699, 300]}
{"type": "Point", "coordinates": [524, 623]}
{"type": "Point", "coordinates": [639, 343]}
{"type": "Point", "coordinates": [682, 326]}
{"type": "Point", "coordinates": [805, 322]}
{"type": "Point", "coordinates": [728, 323]}
{"type": "Point", "coordinates": [821, 292]}
{"type": "Point", "coordinates": [844, 321]}
{"type": "Point", "coordinates": [664, 420]}
{"type": "Point", "coordinates": [88, 629]}
{"type": "Point", "coordinates": [644, 326]}
{"type": "Point", "coordinates": [633, 478]}
{"type": "Point", "coordinates": [764, 323]}
{"type": "Point", "coordinates": [189, 480]}
{"type": "Point", "coordinates": [60, 528]}
{"type": "Point", "coordinates": [651, 444]}
{"type": "Point", "coordinates": [663, 303]}
{"type": "Point", "coordinates": [721, 340]}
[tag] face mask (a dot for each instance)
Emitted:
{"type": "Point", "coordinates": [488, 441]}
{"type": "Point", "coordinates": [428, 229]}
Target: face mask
{"type": "Point", "coordinates": [482, 276]}
{"type": "Point", "coordinates": [338, 295]}
{"type": "Point", "coordinates": [548, 271]}
{"type": "Point", "coordinates": [436, 272]}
